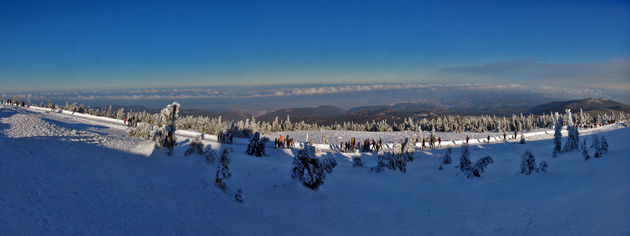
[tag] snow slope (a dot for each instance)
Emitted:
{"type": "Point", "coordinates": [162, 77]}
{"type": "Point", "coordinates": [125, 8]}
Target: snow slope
{"type": "Point", "coordinates": [65, 174]}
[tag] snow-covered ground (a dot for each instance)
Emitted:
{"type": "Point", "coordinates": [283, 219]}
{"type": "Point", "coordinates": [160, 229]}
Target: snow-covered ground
{"type": "Point", "coordinates": [75, 174]}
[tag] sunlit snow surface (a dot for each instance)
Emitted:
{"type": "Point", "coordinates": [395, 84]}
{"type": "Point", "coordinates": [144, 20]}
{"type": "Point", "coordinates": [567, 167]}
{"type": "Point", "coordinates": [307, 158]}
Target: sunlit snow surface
{"type": "Point", "coordinates": [76, 174]}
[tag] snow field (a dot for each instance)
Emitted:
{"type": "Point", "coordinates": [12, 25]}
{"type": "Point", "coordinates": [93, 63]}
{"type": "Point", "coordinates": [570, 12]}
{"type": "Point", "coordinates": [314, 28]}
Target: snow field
{"type": "Point", "coordinates": [120, 185]}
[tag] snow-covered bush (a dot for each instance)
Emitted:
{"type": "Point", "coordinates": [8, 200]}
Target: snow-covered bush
{"type": "Point", "coordinates": [142, 131]}
{"type": "Point", "coordinates": [528, 163]}
{"type": "Point", "coordinates": [309, 169]}
{"type": "Point", "coordinates": [448, 159]}
{"type": "Point", "coordinates": [357, 162]}
{"type": "Point", "coordinates": [195, 146]}
{"type": "Point", "coordinates": [209, 155]}
{"type": "Point", "coordinates": [480, 166]}
{"type": "Point", "coordinates": [223, 171]}
{"type": "Point", "coordinates": [557, 136]}
{"type": "Point", "coordinates": [522, 139]}
{"type": "Point", "coordinates": [256, 146]}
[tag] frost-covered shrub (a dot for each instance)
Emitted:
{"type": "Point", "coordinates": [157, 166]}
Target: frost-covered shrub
{"type": "Point", "coordinates": [324, 138]}
{"type": "Point", "coordinates": [195, 146]}
{"type": "Point", "coordinates": [309, 169]}
{"type": "Point", "coordinates": [256, 146]}
{"type": "Point", "coordinates": [223, 171]}
{"type": "Point", "coordinates": [357, 162]}
{"type": "Point", "coordinates": [209, 155]}
{"type": "Point", "coordinates": [142, 131]}
{"type": "Point", "coordinates": [528, 163]}
{"type": "Point", "coordinates": [448, 156]}
{"type": "Point", "coordinates": [522, 139]}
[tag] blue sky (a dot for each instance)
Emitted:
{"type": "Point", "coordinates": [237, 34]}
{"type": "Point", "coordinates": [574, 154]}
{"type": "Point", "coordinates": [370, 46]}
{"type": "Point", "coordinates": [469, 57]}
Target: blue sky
{"type": "Point", "coordinates": [90, 44]}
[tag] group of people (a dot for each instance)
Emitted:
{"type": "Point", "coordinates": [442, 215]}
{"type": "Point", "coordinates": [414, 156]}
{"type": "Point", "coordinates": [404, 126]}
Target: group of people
{"type": "Point", "coordinates": [226, 138]}
{"type": "Point", "coordinates": [131, 122]}
{"type": "Point", "coordinates": [431, 142]}
{"type": "Point", "coordinates": [368, 146]}
{"type": "Point", "coordinates": [17, 103]}
{"type": "Point", "coordinates": [283, 143]}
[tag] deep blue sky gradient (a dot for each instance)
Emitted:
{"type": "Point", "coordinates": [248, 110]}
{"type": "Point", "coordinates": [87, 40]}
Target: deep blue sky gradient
{"type": "Point", "coordinates": [93, 44]}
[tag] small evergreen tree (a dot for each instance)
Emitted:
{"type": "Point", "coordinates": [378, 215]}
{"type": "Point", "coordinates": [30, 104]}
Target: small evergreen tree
{"type": "Point", "coordinates": [324, 138]}
{"type": "Point", "coordinates": [464, 160]}
{"type": "Point", "coordinates": [310, 170]}
{"type": "Point", "coordinates": [542, 167]}
{"type": "Point", "coordinates": [528, 163]}
{"type": "Point", "coordinates": [585, 150]}
{"type": "Point", "coordinates": [603, 145]}
{"type": "Point", "coordinates": [209, 155]}
{"type": "Point", "coordinates": [522, 139]}
{"type": "Point", "coordinates": [448, 156]}
{"type": "Point", "coordinates": [223, 171]}
{"type": "Point", "coordinates": [557, 136]}
{"type": "Point", "coordinates": [195, 146]}
{"type": "Point", "coordinates": [165, 136]}
{"type": "Point", "coordinates": [596, 147]}
{"type": "Point", "coordinates": [357, 162]}
{"type": "Point", "coordinates": [256, 146]}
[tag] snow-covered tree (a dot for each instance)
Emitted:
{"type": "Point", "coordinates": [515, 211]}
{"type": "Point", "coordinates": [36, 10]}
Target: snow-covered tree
{"type": "Point", "coordinates": [196, 146]}
{"type": "Point", "coordinates": [310, 170]}
{"type": "Point", "coordinates": [585, 150]}
{"type": "Point", "coordinates": [448, 156]}
{"type": "Point", "coordinates": [528, 163]}
{"type": "Point", "coordinates": [603, 145]}
{"type": "Point", "coordinates": [256, 146]}
{"type": "Point", "coordinates": [557, 136]}
{"type": "Point", "coordinates": [168, 117]}
{"type": "Point", "coordinates": [209, 155]}
{"type": "Point", "coordinates": [480, 166]}
{"type": "Point", "coordinates": [223, 171]}
{"type": "Point", "coordinates": [573, 140]}
{"type": "Point", "coordinates": [522, 139]}
{"type": "Point", "coordinates": [143, 131]}
{"type": "Point", "coordinates": [324, 138]}
{"type": "Point", "coordinates": [464, 160]}
{"type": "Point", "coordinates": [542, 167]}
{"type": "Point", "coordinates": [357, 162]}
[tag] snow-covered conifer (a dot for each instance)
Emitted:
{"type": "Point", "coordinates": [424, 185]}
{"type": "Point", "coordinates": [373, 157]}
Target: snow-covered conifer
{"type": "Point", "coordinates": [196, 146]}
{"type": "Point", "coordinates": [522, 139]}
{"type": "Point", "coordinates": [464, 160]}
{"type": "Point", "coordinates": [573, 140]}
{"type": "Point", "coordinates": [142, 131]}
{"type": "Point", "coordinates": [223, 171]}
{"type": "Point", "coordinates": [528, 163]}
{"type": "Point", "coordinates": [209, 155]}
{"type": "Point", "coordinates": [256, 146]}
{"type": "Point", "coordinates": [168, 117]}
{"type": "Point", "coordinates": [310, 170]}
{"type": "Point", "coordinates": [557, 136]}
{"type": "Point", "coordinates": [324, 138]}
{"type": "Point", "coordinates": [448, 156]}
{"type": "Point", "coordinates": [585, 150]}
{"type": "Point", "coordinates": [357, 162]}
{"type": "Point", "coordinates": [603, 145]}
{"type": "Point", "coordinates": [542, 167]}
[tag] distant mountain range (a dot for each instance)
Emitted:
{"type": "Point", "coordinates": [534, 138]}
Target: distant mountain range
{"type": "Point", "coordinates": [398, 112]}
